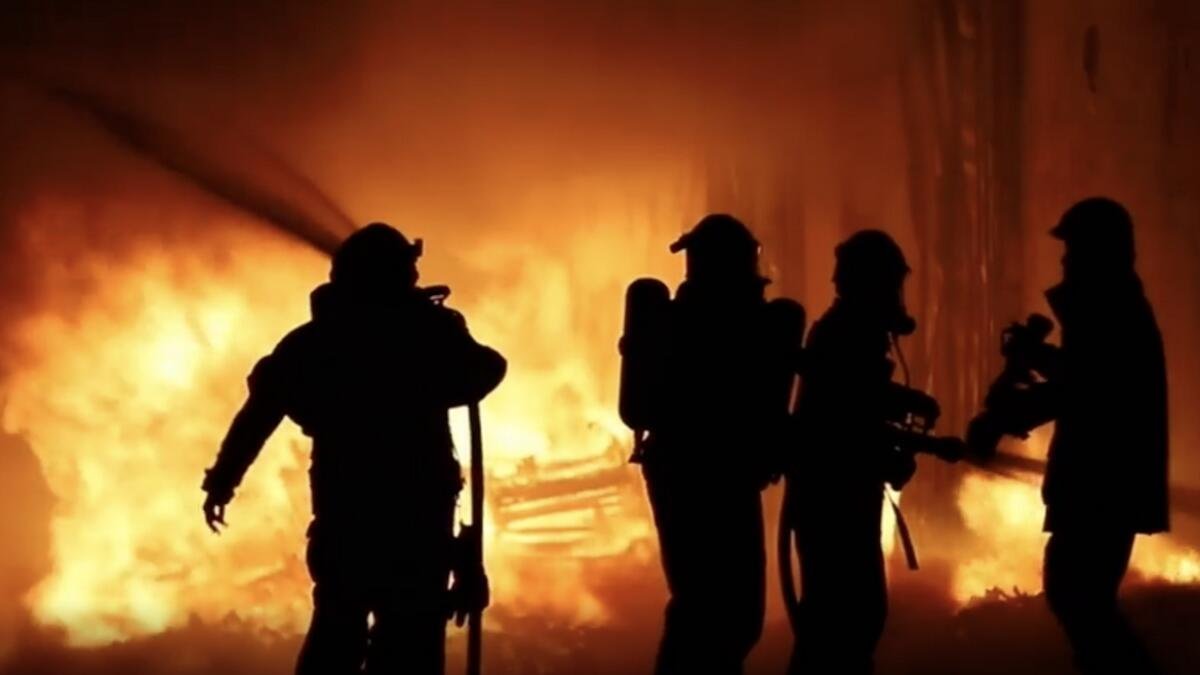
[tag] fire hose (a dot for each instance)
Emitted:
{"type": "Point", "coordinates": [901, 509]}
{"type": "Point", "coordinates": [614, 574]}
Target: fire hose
{"type": "Point", "coordinates": [475, 618]}
{"type": "Point", "coordinates": [1002, 464]}
{"type": "Point", "coordinates": [788, 536]}
{"type": "Point", "coordinates": [1184, 499]}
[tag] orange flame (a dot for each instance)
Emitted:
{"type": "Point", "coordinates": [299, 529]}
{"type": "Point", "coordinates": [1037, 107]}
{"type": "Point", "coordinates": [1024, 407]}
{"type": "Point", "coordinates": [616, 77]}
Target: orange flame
{"type": "Point", "coordinates": [125, 391]}
{"type": "Point", "coordinates": [1006, 515]}
{"type": "Point", "coordinates": [125, 399]}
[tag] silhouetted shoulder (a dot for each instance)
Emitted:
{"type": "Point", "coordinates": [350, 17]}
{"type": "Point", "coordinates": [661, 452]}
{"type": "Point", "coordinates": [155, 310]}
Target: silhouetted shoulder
{"type": "Point", "coordinates": [274, 374]}
{"type": "Point", "coordinates": [450, 320]}
{"type": "Point", "coordinates": [821, 332]}
{"type": "Point", "coordinates": [473, 370]}
{"type": "Point", "coordinates": [298, 340]}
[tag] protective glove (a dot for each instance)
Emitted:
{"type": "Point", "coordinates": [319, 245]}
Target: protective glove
{"type": "Point", "coordinates": [948, 448]}
{"type": "Point", "coordinates": [217, 497]}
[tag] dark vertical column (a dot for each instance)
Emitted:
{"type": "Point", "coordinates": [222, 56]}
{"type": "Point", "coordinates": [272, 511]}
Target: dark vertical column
{"type": "Point", "coordinates": [1179, 242]}
{"type": "Point", "coordinates": [788, 223]}
{"type": "Point", "coordinates": [962, 86]}
{"type": "Point", "coordinates": [1002, 133]}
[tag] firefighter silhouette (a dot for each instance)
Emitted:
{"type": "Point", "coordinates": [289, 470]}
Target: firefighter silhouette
{"type": "Point", "coordinates": [1106, 389]}
{"type": "Point", "coordinates": [706, 378]}
{"type": "Point", "coordinates": [855, 431]}
{"type": "Point", "coordinates": [370, 379]}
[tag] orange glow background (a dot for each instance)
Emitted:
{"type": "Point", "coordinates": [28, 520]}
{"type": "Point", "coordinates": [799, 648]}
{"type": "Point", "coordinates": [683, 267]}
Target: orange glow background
{"type": "Point", "coordinates": [547, 153]}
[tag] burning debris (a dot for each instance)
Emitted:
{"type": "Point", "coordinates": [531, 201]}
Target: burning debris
{"type": "Point", "coordinates": [586, 507]}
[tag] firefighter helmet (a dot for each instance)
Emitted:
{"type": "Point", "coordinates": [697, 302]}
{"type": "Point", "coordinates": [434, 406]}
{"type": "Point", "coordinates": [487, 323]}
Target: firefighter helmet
{"type": "Point", "coordinates": [376, 255]}
{"type": "Point", "coordinates": [867, 261]}
{"type": "Point", "coordinates": [1099, 228]}
{"type": "Point", "coordinates": [719, 246]}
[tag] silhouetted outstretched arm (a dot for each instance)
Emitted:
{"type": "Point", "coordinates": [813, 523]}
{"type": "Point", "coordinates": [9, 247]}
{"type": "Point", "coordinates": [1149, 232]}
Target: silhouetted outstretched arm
{"type": "Point", "coordinates": [254, 423]}
{"type": "Point", "coordinates": [1028, 408]}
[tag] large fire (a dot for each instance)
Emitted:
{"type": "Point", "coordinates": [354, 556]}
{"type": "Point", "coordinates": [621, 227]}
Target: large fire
{"type": "Point", "coordinates": [132, 369]}
{"type": "Point", "coordinates": [126, 390]}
